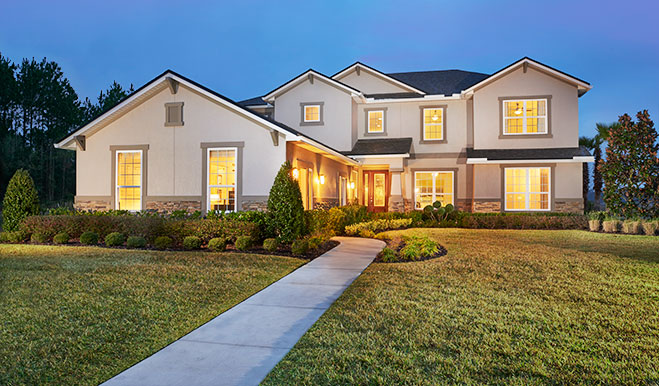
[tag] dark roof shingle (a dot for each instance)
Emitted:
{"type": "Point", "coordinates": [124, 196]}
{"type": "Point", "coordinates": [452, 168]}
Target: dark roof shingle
{"type": "Point", "coordinates": [444, 82]}
{"type": "Point", "coordinates": [256, 101]}
{"type": "Point", "coordinates": [528, 154]}
{"type": "Point", "coordinates": [380, 146]}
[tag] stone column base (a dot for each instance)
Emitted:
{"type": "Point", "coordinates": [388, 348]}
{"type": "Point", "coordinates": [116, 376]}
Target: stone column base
{"type": "Point", "coordinates": [487, 206]}
{"type": "Point", "coordinates": [170, 206]}
{"type": "Point", "coordinates": [92, 206]}
{"type": "Point", "coordinates": [571, 206]}
{"type": "Point", "coordinates": [261, 206]}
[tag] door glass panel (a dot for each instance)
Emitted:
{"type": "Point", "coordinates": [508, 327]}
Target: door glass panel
{"type": "Point", "coordinates": [366, 197]}
{"type": "Point", "coordinates": [129, 180]}
{"type": "Point", "coordinates": [222, 179]}
{"type": "Point", "coordinates": [378, 189]}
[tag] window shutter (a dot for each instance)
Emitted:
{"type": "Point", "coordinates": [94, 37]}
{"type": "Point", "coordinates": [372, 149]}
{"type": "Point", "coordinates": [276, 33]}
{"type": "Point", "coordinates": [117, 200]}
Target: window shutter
{"type": "Point", "coordinates": [174, 114]}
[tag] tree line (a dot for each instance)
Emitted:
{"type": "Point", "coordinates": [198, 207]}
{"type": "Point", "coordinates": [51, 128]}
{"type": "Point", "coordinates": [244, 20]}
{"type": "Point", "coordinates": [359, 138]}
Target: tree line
{"type": "Point", "coordinates": [38, 108]}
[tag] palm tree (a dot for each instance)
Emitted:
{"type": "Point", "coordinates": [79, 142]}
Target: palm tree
{"type": "Point", "coordinates": [588, 143]}
{"type": "Point", "coordinates": [601, 137]}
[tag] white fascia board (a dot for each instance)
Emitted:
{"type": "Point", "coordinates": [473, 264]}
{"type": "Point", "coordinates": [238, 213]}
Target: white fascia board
{"type": "Point", "coordinates": [271, 96]}
{"type": "Point", "coordinates": [426, 98]}
{"type": "Point", "coordinates": [379, 75]}
{"type": "Point", "coordinates": [485, 161]}
{"type": "Point", "coordinates": [406, 155]}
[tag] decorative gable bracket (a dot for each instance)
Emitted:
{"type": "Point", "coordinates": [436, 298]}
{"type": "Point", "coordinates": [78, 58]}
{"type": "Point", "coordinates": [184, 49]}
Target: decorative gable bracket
{"type": "Point", "coordinates": [81, 141]}
{"type": "Point", "coordinates": [173, 85]}
{"type": "Point", "coordinates": [275, 137]}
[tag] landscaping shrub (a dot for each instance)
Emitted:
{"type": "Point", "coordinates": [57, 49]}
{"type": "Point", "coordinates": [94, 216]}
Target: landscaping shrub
{"type": "Point", "coordinates": [244, 243]}
{"type": "Point", "coordinates": [285, 209]}
{"type": "Point", "coordinates": [523, 221]}
{"type": "Point", "coordinates": [89, 238]}
{"type": "Point", "coordinates": [378, 225]}
{"type": "Point", "coordinates": [163, 242]}
{"type": "Point", "coordinates": [388, 255]}
{"type": "Point", "coordinates": [650, 227]}
{"type": "Point", "coordinates": [611, 226]}
{"type": "Point", "coordinates": [4, 237]}
{"type": "Point", "coordinates": [136, 242]}
{"type": "Point", "coordinates": [315, 242]}
{"type": "Point", "coordinates": [594, 225]}
{"type": "Point", "coordinates": [300, 247]}
{"type": "Point", "coordinates": [114, 239]}
{"type": "Point", "coordinates": [207, 229]}
{"type": "Point", "coordinates": [217, 244]}
{"type": "Point", "coordinates": [191, 242]}
{"type": "Point", "coordinates": [14, 237]}
{"type": "Point", "coordinates": [270, 245]}
{"type": "Point", "coordinates": [595, 220]}
{"type": "Point", "coordinates": [631, 227]}
{"type": "Point", "coordinates": [61, 238]}
{"type": "Point", "coordinates": [255, 217]}
{"type": "Point", "coordinates": [417, 247]}
{"type": "Point", "coordinates": [21, 200]}
{"type": "Point", "coordinates": [367, 234]}
{"type": "Point", "coordinates": [39, 238]}
{"type": "Point", "coordinates": [102, 223]}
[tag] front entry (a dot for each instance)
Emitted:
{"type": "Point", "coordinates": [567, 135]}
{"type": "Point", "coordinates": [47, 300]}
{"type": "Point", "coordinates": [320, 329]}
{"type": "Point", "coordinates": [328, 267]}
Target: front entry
{"type": "Point", "coordinates": [376, 190]}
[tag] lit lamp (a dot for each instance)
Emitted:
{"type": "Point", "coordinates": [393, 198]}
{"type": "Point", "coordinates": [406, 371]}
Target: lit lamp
{"type": "Point", "coordinates": [322, 179]}
{"type": "Point", "coordinates": [296, 174]}
{"type": "Point", "coordinates": [352, 185]}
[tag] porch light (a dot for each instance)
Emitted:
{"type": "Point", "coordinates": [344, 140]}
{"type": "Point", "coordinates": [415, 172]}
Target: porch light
{"type": "Point", "coordinates": [296, 174]}
{"type": "Point", "coordinates": [352, 185]}
{"type": "Point", "coordinates": [322, 179]}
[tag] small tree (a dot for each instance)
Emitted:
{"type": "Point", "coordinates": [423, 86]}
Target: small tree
{"type": "Point", "coordinates": [285, 209]}
{"type": "Point", "coordinates": [631, 169]}
{"type": "Point", "coordinates": [21, 200]}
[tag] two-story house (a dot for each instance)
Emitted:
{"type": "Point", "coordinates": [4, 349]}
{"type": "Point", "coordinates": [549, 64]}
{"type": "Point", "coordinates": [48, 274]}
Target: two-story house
{"type": "Point", "coordinates": [485, 143]}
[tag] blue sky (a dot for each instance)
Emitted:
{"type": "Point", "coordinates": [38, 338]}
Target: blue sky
{"type": "Point", "coordinates": [246, 48]}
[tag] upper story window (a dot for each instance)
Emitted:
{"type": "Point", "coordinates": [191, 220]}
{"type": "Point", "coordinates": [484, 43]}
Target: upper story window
{"type": "Point", "coordinates": [312, 113]}
{"type": "Point", "coordinates": [432, 123]}
{"type": "Point", "coordinates": [525, 116]}
{"type": "Point", "coordinates": [375, 121]}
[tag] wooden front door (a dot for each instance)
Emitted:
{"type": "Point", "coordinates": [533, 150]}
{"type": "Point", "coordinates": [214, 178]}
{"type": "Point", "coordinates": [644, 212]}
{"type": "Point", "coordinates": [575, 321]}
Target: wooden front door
{"type": "Point", "coordinates": [376, 190]}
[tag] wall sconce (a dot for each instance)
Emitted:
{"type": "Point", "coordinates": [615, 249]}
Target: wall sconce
{"type": "Point", "coordinates": [352, 185]}
{"type": "Point", "coordinates": [296, 174]}
{"type": "Point", "coordinates": [322, 179]}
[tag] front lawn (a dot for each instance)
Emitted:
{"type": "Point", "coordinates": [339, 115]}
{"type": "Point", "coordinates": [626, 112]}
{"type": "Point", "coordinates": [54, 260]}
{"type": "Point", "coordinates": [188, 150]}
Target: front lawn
{"type": "Point", "coordinates": [79, 315]}
{"type": "Point", "coordinates": [502, 307]}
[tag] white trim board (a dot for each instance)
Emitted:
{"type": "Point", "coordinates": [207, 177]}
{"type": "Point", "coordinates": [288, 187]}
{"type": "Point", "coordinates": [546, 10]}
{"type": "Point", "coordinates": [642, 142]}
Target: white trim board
{"type": "Point", "coordinates": [575, 159]}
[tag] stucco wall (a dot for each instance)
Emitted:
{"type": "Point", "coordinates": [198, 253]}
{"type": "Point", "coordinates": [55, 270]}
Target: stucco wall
{"type": "Point", "coordinates": [336, 130]}
{"type": "Point", "coordinates": [370, 84]}
{"type": "Point", "coordinates": [174, 157]}
{"type": "Point", "coordinates": [563, 105]}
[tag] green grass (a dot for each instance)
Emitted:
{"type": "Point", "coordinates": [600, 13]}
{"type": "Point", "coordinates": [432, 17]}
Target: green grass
{"type": "Point", "coordinates": [79, 315]}
{"type": "Point", "coordinates": [502, 307]}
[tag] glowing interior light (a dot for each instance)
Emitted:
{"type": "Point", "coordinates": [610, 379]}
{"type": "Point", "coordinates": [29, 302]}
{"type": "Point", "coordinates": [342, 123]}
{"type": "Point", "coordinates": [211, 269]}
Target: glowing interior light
{"type": "Point", "coordinates": [296, 173]}
{"type": "Point", "coordinates": [434, 117]}
{"type": "Point", "coordinates": [322, 179]}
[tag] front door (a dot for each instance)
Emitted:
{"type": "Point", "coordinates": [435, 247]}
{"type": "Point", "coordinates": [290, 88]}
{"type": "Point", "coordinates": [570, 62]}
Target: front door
{"type": "Point", "coordinates": [376, 190]}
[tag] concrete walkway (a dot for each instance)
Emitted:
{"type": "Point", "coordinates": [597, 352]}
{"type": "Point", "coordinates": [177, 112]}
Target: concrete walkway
{"type": "Point", "coordinates": [242, 345]}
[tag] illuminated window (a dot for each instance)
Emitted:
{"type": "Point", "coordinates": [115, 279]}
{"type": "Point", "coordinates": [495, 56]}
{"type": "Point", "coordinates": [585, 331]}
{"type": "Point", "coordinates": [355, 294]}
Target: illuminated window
{"type": "Point", "coordinates": [525, 116]}
{"type": "Point", "coordinates": [129, 180]}
{"type": "Point", "coordinates": [433, 186]}
{"type": "Point", "coordinates": [376, 121]}
{"type": "Point", "coordinates": [312, 113]}
{"type": "Point", "coordinates": [433, 124]}
{"type": "Point", "coordinates": [527, 188]}
{"type": "Point", "coordinates": [222, 179]}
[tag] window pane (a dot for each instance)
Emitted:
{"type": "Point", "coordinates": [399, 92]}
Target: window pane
{"type": "Point", "coordinates": [378, 189]}
{"type": "Point", "coordinates": [527, 188]}
{"type": "Point", "coordinates": [423, 200]}
{"type": "Point", "coordinates": [222, 199]}
{"type": "Point", "coordinates": [312, 113]}
{"type": "Point", "coordinates": [515, 201]}
{"type": "Point", "coordinates": [129, 180]}
{"type": "Point", "coordinates": [513, 108]}
{"type": "Point", "coordinates": [433, 124]}
{"type": "Point", "coordinates": [375, 122]}
{"type": "Point", "coordinates": [444, 182]}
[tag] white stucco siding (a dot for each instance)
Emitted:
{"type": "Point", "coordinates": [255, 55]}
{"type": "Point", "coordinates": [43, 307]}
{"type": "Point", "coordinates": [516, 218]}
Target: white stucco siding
{"type": "Point", "coordinates": [370, 84]}
{"type": "Point", "coordinates": [563, 107]}
{"type": "Point", "coordinates": [336, 130]}
{"type": "Point", "coordinates": [174, 156]}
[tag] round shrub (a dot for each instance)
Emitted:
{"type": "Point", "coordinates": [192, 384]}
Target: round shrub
{"type": "Point", "coordinates": [243, 243]}
{"type": "Point", "coordinates": [16, 236]}
{"type": "Point", "coordinates": [21, 200]}
{"type": "Point", "coordinates": [270, 245]}
{"type": "Point", "coordinates": [315, 242]}
{"type": "Point", "coordinates": [163, 242]}
{"type": "Point", "coordinates": [367, 233]}
{"type": "Point", "coordinates": [61, 238]}
{"type": "Point", "coordinates": [191, 242]}
{"type": "Point", "coordinates": [39, 238]}
{"type": "Point", "coordinates": [136, 242]}
{"type": "Point", "coordinates": [300, 247]}
{"type": "Point", "coordinates": [611, 226]}
{"type": "Point", "coordinates": [217, 244]}
{"type": "Point", "coordinates": [594, 225]}
{"type": "Point", "coordinates": [285, 208]}
{"type": "Point", "coordinates": [89, 238]}
{"type": "Point", "coordinates": [114, 239]}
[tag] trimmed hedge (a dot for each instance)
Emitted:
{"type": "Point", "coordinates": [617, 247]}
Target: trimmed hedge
{"type": "Point", "coordinates": [244, 243]}
{"type": "Point", "coordinates": [522, 221]}
{"type": "Point", "coordinates": [61, 238]}
{"type": "Point", "coordinates": [136, 242]}
{"type": "Point", "coordinates": [191, 242]}
{"type": "Point", "coordinates": [39, 238]}
{"type": "Point", "coordinates": [378, 226]}
{"type": "Point", "coordinates": [163, 242]}
{"type": "Point", "coordinates": [114, 239]}
{"type": "Point", "coordinates": [300, 247]}
{"type": "Point", "coordinates": [89, 238]}
{"type": "Point", "coordinates": [270, 245]}
{"type": "Point", "coordinates": [217, 244]}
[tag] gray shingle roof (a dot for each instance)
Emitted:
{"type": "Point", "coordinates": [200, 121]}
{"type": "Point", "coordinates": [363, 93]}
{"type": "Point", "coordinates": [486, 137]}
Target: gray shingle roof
{"type": "Point", "coordinates": [394, 95]}
{"type": "Point", "coordinates": [528, 154]}
{"type": "Point", "coordinates": [381, 146]}
{"type": "Point", "coordinates": [256, 101]}
{"type": "Point", "coordinates": [444, 82]}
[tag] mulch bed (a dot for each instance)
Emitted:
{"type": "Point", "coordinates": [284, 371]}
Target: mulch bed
{"type": "Point", "coordinates": [398, 243]}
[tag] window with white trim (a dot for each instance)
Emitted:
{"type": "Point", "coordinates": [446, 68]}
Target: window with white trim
{"type": "Point", "coordinates": [311, 113]}
{"type": "Point", "coordinates": [433, 124]}
{"type": "Point", "coordinates": [222, 175]}
{"type": "Point", "coordinates": [128, 194]}
{"type": "Point", "coordinates": [376, 121]}
{"type": "Point", "coordinates": [527, 188]}
{"type": "Point", "coordinates": [528, 116]}
{"type": "Point", "coordinates": [431, 186]}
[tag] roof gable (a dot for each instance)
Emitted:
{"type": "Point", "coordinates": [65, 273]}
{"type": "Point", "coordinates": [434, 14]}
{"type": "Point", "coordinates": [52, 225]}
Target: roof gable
{"type": "Point", "coordinates": [358, 67]}
{"type": "Point", "coordinates": [310, 75]}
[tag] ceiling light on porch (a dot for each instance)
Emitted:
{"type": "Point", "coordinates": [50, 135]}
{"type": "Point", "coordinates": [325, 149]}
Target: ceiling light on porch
{"type": "Point", "coordinates": [322, 179]}
{"type": "Point", "coordinates": [352, 185]}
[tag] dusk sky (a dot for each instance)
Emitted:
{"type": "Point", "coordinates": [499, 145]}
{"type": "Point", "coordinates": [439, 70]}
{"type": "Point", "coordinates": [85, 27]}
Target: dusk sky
{"type": "Point", "coordinates": [243, 49]}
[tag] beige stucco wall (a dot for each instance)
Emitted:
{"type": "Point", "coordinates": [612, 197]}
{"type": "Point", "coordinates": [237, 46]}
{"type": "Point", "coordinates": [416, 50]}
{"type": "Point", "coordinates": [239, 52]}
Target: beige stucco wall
{"type": "Point", "coordinates": [403, 119]}
{"type": "Point", "coordinates": [336, 130]}
{"type": "Point", "coordinates": [564, 110]}
{"type": "Point", "coordinates": [568, 180]}
{"type": "Point", "coordinates": [370, 84]}
{"type": "Point", "coordinates": [174, 155]}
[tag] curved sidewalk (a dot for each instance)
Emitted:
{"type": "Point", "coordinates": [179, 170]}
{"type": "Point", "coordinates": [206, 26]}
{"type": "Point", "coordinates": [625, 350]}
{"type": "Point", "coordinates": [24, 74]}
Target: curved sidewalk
{"type": "Point", "coordinates": [242, 345]}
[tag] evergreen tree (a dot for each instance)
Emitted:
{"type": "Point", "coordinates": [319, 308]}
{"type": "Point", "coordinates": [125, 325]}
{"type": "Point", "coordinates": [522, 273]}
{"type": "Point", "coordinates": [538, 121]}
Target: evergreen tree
{"type": "Point", "coordinates": [285, 208]}
{"type": "Point", "coordinates": [21, 200]}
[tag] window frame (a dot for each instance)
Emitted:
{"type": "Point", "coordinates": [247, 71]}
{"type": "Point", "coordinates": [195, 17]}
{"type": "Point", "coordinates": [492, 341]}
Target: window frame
{"type": "Point", "coordinates": [303, 115]}
{"type": "Point", "coordinates": [117, 196]}
{"type": "Point", "coordinates": [208, 176]}
{"type": "Point", "coordinates": [528, 192]}
{"type": "Point", "coordinates": [423, 123]}
{"type": "Point", "coordinates": [502, 117]}
{"type": "Point", "coordinates": [453, 173]}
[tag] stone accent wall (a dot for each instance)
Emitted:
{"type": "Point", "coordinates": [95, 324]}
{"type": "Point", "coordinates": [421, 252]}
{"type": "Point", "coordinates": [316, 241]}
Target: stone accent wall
{"type": "Point", "coordinates": [463, 205]}
{"type": "Point", "coordinates": [486, 206]}
{"type": "Point", "coordinates": [92, 206]}
{"type": "Point", "coordinates": [396, 205]}
{"type": "Point", "coordinates": [575, 206]}
{"type": "Point", "coordinates": [254, 205]}
{"type": "Point", "coordinates": [325, 203]}
{"type": "Point", "coordinates": [170, 206]}
{"type": "Point", "coordinates": [409, 204]}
